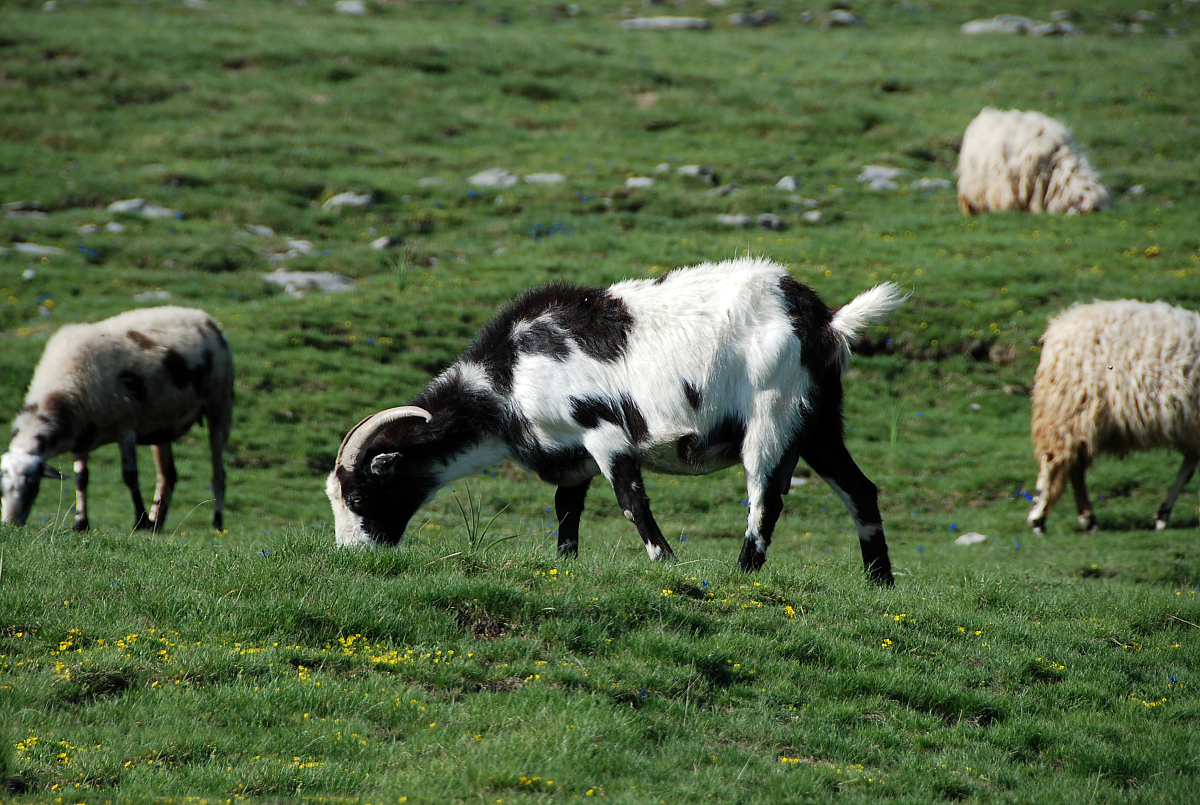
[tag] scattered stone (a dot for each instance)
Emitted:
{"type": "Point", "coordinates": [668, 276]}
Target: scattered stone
{"type": "Point", "coordinates": [756, 19]}
{"type": "Point", "coordinates": [930, 184]}
{"type": "Point", "coordinates": [348, 199]}
{"type": "Point", "coordinates": [772, 222]}
{"type": "Point", "coordinates": [787, 184]}
{"type": "Point", "coordinates": [1137, 28]}
{"type": "Point", "coordinates": [976, 407]}
{"type": "Point", "coordinates": [870, 173]}
{"type": "Point", "coordinates": [49, 6]}
{"type": "Point", "coordinates": [155, 211]}
{"type": "Point", "coordinates": [28, 274]}
{"type": "Point", "coordinates": [152, 296]}
{"type": "Point", "coordinates": [88, 229]}
{"type": "Point", "coordinates": [35, 249]}
{"type": "Point", "coordinates": [387, 242]}
{"type": "Point", "coordinates": [355, 8]}
{"type": "Point", "coordinates": [664, 23]}
{"type": "Point", "coordinates": [298, 283]}
{"type": "Point", "coordinates": [662, 167]}
{"type": "Point", "coordinates": [296, 248]}
{"type": "Point", "coordinates": [840, 18]}
{"type": "Point", "coordinates": [262, 231]}
{"type": "Point", "coordinates": [725, 190]}
{"type": "Point", "coordinates": [1062, 15]}
{"type": "Point", "coordinates": [1145, 16]}
{"type": "Point", "coordinates": [970, 538]}
{"type": "Point", "coordinates": [810, 202]}
{"type": "Point", "coordinates": [1014, 24]}
{"type": "Point", "coordinates": [806, 17]}
{"type": "Point", "coordinates": [545, 178]}
{"type": "Point", "coordinates": [812, 216]}
{"type": "Point", "coordinates": [701, 172]}
{"type": "Point", "coordinates": [431, 181]}
{"type": "Point", "coordinates": [882, 184]}
{"type": "Point", "coordinates": [735, 220]}
{"type": "Point", "coordinates": [494, 177]}
{"type": "Point", "coordinates": [43, 310]}
{"type": "Point", "coordinates": [1013, 389]}
{"type": "Point", "coordinates": [639, 181]}
{"type": "Point", "coordinates": [30, 214]}
{"type": "Point", "coordinates": [1136, 190]}
{"type": "Point", "coordinates": [129, 205]}
{"type": "Point", "coordinates": [114, 228]}
{"type": "Point", "coordinates": [21, 206]}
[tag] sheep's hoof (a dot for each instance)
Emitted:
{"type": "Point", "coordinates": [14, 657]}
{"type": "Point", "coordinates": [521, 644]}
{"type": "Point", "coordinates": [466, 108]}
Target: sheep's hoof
{"type": "Point", "coordinates": [1087, 523]}
{"type": "Point", "coordinates": [1038, 526]}
{"type": "Point", "coordinates": [1160, 525]}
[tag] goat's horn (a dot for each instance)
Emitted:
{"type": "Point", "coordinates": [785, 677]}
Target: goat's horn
{"type": "Point", "coordinates": [370, 427]}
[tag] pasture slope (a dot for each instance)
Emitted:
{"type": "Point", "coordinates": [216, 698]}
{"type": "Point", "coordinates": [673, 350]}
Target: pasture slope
{"type": "Point", "coordinates": [261, 663]}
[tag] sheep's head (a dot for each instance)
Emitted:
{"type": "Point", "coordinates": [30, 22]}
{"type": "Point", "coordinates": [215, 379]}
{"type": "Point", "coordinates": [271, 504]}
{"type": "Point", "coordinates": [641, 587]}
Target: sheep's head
{"type": "Point", "coordinates": [21, 475]}
{"type": "Point", "coordinates": [374, 488]}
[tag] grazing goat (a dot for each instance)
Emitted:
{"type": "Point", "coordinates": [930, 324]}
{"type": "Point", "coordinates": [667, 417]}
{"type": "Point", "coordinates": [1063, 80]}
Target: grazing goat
{"type": "Point", "coordinates": [143, 377]}
{"type": "Point", "coordinates": [685, 374]}
{"type": "Point", "coordinates": [1025, 161]}
{"type": "Point", "coordinates": [1114, 377]}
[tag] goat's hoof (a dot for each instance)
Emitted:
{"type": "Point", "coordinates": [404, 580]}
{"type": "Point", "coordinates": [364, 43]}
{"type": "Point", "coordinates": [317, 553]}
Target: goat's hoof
{"type": "Point", "coordinates": [568, 551]}
{"type": "Point", "coordinates": [142, 523]}
{"type": "Point", "coordinates": [751, 558]}
{"type": "Point", "coordinates": [80, 525]}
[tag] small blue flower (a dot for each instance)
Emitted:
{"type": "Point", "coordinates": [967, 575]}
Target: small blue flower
{"type": "Point", "coordinates": [643, 693]}
{"type": "Point", "coordinates": [919, 549]}
{"type": "Point", "coordinates": [704, 584]}
{"type": "Point", "coordinates": [746, 502]}
{"type": "Point", "coordinates": [1172, 680]}
{"type": "Point", "coordinates": [954, 526]}
{"type": "Point", "coordinates": [264, 553]}
{"type": "Point", "coordinates": [682, 538]}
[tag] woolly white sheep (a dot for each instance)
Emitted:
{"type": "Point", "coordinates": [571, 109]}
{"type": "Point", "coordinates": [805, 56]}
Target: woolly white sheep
{"type": "Point", "coordinates": [1025, 161]}
{"type": "Point", "coordinates": [1114, 377]}
{"type": "Point", "coordinates": [143, 377]}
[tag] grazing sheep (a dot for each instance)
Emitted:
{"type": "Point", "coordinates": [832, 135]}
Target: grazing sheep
{"type": "Point", "coordinates": [692, 372]}
{"type": "Point", "coordinates": [143, 377]}
{"type": "Point", "coordinates": [1114, 377]}
{"type": "Point", "coordinates": [1025, 161]}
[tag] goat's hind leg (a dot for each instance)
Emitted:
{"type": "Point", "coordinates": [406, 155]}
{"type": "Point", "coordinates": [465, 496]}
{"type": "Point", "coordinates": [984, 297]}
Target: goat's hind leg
{"type": "Point", "coordinates": [1186, 470]}
{"type": "Point", "coordinates": [164, 487]}
{"type": "Point", "coordinates": [765, 489]}
{"type": "Point", "coordinates": [1087, 518]}
{"type": "Point", "coordinates": [568, 506]}
{"type": "Point", "coordinates": [625, 475]}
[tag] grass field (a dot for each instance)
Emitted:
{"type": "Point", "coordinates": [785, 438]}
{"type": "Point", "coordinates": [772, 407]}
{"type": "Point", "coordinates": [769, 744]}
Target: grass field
{"type": "Point", "coordinates": [261, 662]}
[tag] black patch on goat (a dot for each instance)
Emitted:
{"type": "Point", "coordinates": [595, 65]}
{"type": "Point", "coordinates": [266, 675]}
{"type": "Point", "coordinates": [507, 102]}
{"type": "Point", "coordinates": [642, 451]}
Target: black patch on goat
{"type": "Point", "coordinates": [598, 323]}
{"type": "Point", "coordinates": [139, 339]}
{"type": "Point", "coordinates": [623, 412]}
{"type": "Point", "coordinates": [693, 395]}
{"type": "Point", "coordinates": [722, 443]}
{"type": "Point", "coordinates": [134, 383]}
{"type": "Point", "coordinates": [211, 326]}
{"type": "Point", "coordinates": [811, 319]}
{"type": "Point", "coordinates": [182, 376]}
{"type": "Point", "coordinates": [543, 338]}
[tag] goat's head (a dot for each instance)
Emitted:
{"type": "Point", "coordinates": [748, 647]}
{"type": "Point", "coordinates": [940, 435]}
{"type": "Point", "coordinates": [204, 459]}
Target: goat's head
{"type": "Point", "coordinates": [377, 484]}
{"type": "Point", "coordinates": [21, 475]}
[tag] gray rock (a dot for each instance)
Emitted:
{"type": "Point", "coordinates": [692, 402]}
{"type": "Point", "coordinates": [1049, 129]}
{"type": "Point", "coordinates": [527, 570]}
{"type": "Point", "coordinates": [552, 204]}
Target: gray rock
{"type": "Point", "coordinates": [88, 229]}
{"type": "Point", "coordinates": [970, 538]}
{"type": "Point", "coordinates": [33, 215]}
{"type": "Point", "coordinates": [639, 181]}
{"type": "Point", "coordinates": [882, 184]}
{"type": "Point", "coordinates": [298, 283]}
{"type": "Point", "coordinates": [152, 296]}
{"type": "Point", "coordinates": [725, 190]}
{"type": "Point", "coordinates": [28, 274]}
{"type": "Point", "coordinates": [812, 216]}
{"type": "Point", "coordinates": [356, 8]}
{"type": "Point", "coordinates": [545, 178]}
{"type": "Point", "coordinates": [1136, 190]}
{"type": "Point", "coordinates": [129, 205]}
{"type": "Point", "coordinates": [114, 228]}
{"type": "Point", "coordinates": [871, 173]}
{"type": "Point", "coordinates": [262, 231]}
{"type": "Point", "coordinates": [1145, 16]}
{"type": "Point", "coordinates": [840, 18]}
{"type": "Point", "coordinates": [701, 172]}
{"type": "Point", "coordinates": [735, 220]}
{"type": "Point", "coordinates": [36, 249]}
{"type": "Point", "coordinates": [787, 184]}
{"type": "Point", "coordinates": [1000, 24]}
{"type": "Point", "coordinates": [387, 242]}
{"type": "Point", "coordinates": [1062, 15]}
{"type": "Point", "coordinates": [431, 181]}
{"type": "Point", "coordinates": [348, 199]}
{"type": "Point", "coordinates": [930, 184]}
{"type": "Point", "coordinates": [494, 177]}
{"type": "Point", "coordinates": [155, 211]}
{"type": "Point", "coordinates": [772, 222]}
{"type": "Point", "coordinates": [664, 23]}
{"type": "Point", "coordinates": [20, 206]}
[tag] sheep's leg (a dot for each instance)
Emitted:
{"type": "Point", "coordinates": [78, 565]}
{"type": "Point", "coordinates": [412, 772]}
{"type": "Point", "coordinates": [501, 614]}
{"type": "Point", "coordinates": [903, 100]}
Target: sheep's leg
{"type": "Point", "coordinates": [625, 474]}
{"type": "Point", "coordinates": [829, 458]}
{"type": "Point", "coordinates": [1190, 461]}
{"type": "Point", "coordinates": [129, 472]}
{"type": "Point", "coordinates": [765, 491]}
{"type": "Point", "coordinates": [1050, 484]}
{"type": "Point", "coordinates": [568, 505]}
{"type": "Point", "coordinates": [1087, 519]}
{"type": "Point", "coordinates": [218, 437]}
{"type": "Point", "coordinates": [164, 486]}
{"type": "Point", "coordinates": [81, 484]}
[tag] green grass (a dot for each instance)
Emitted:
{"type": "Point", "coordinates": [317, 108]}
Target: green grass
{"type": "Point", "coordinates": [1081, 682]}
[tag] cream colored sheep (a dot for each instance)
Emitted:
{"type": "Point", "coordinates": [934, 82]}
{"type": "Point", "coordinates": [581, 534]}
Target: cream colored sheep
{"type": "Point", "coordinates": [1025, 161]}
{"type": "Point", "coordinates": [1114, 377]}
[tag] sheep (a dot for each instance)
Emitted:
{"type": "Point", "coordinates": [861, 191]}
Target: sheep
{"type": "Point", "coordinates": [1114, 377]}
{"type": "Point", "coordinates": [143, 377]}
{"type": "Point", "coordinates": [685, 374]}
{"type": "Point", "coordinates": [1025, 161]}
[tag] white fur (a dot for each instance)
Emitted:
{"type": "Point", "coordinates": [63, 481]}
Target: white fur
{"type": "Point", "coordinates": [1114, 377]}
{"type": "Point", "coordinates": [1025, 161]}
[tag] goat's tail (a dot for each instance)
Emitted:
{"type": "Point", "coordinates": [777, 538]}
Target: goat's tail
{"type": "Point", "coordinates": [865, 309]}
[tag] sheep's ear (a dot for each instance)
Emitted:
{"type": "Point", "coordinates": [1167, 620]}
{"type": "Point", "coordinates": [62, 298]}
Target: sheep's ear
{"type": "Point", "coordinates": [384, 463]}
{"type": "Point", "coordinates": [50, 472]}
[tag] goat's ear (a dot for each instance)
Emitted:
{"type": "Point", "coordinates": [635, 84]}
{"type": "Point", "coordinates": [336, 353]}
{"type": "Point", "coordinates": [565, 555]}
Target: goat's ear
{"type": "Point", "coordinates": [384, 463]}
{"type": "Point", "coordinates": [50, 472]}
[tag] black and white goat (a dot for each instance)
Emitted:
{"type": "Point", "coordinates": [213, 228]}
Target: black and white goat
{"type": "Point", "coordinates": [143, 377]}
{"type": "Point", "coordinates": [686, 374]}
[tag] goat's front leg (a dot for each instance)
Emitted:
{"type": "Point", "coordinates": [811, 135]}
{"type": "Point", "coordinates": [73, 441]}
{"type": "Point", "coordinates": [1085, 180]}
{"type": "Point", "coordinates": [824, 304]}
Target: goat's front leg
{"type": "Point", "coordinates": [129, 473]}
{"type": "Point", "coordinates": [1190, 460]}
{"type": "Point", "coordinates": [81, 485]}
{"type": "Point", "coordinates": [568, 505]}
{"type": "Point", "coordinates": [625, 475]}
{"type": "Point", "coordinates": [829, 458]}
{"type": "Point", "coordinates": [164, 486]}
{"type": "Point", "coordinates": [765, 488]}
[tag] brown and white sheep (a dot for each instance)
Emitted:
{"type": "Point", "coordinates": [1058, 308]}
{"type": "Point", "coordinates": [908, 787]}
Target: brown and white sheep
{"type": "Point", "coordinates": [1025, 161]}
{"type": "Point", "coordinates": [1114, 377]}
{"type": "Point", "coordinates": [143, 377]}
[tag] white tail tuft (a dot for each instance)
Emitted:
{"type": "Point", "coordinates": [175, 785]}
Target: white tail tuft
{"type": "Point", "coordinates": [865, 309]}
